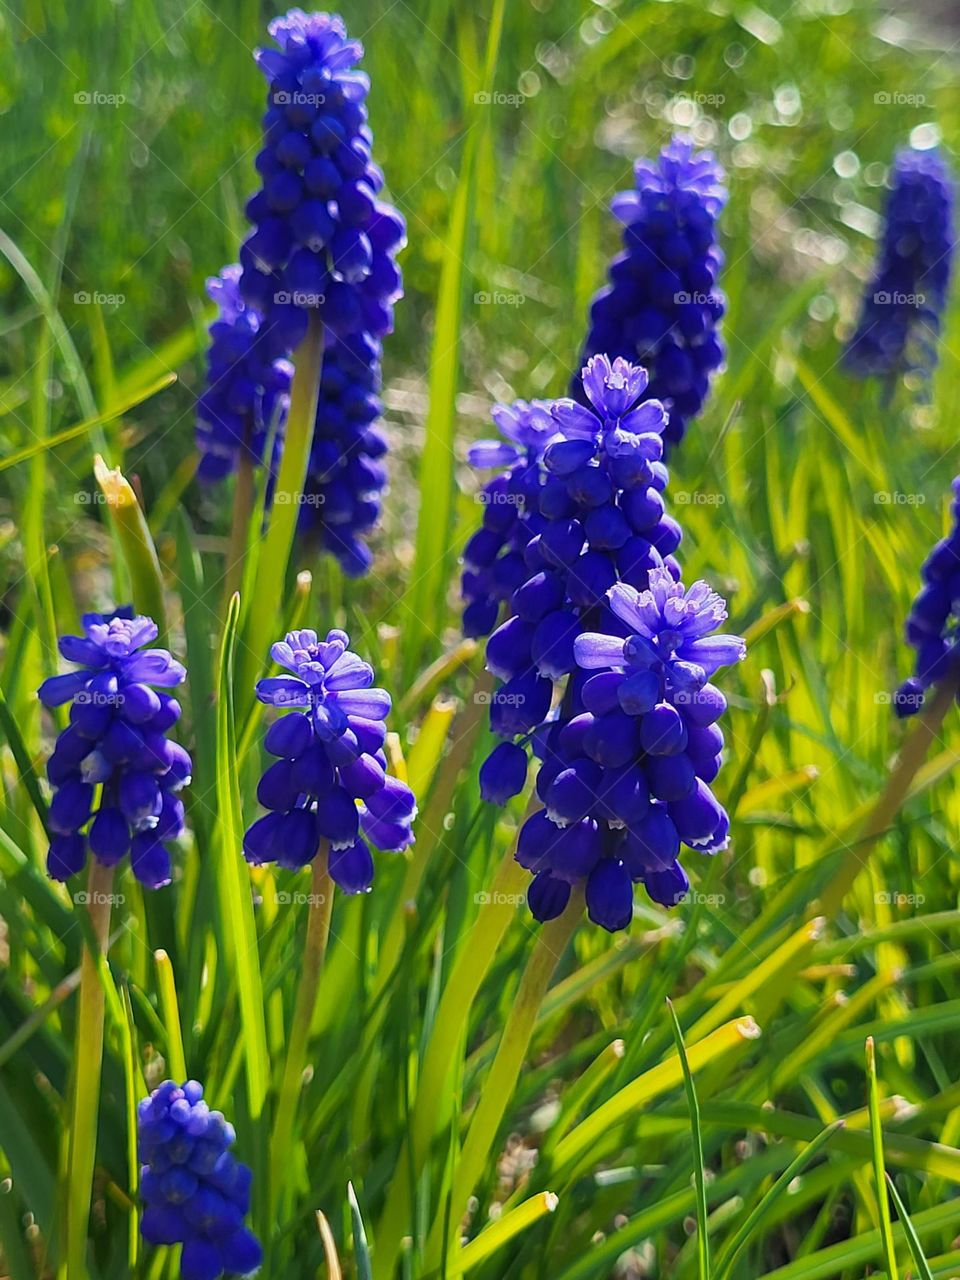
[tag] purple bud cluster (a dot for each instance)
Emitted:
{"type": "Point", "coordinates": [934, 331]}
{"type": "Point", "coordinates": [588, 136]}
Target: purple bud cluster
{"type": "Point", "coordinates": [629, 753]}
{"type": "Point", "coordinates": [329, 782]}
{"type": "Point", "coordinates": [661, 306]}
{"type": "Point", "coordinates": [247, 391]}
{"type": "Point", "coordinates": [493, 558]}
{"type": "Point", "coordinates": [346, 475]}
{"type": "Point", "coordinates": [932, 626]}
{"type": "Point", "coordinates": [115, 773]}
{"type": "Point", "coordinates": [194, 1190]}
{"type": "Point", "coordinates": [323, 241]}
{"type": "Point", "coordinates": [905, 298]}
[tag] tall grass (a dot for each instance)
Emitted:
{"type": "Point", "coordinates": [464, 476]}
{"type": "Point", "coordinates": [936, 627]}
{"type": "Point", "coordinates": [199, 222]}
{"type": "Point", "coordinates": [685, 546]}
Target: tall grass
{"type": "Point", "coordinates": [564, 1149]}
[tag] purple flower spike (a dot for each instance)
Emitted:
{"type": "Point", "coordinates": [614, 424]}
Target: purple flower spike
{"type": "Point", "coordinates": [661, 306]}
{"type": "Point", "coordinates": [116, 739]}
{"type": "Point", "coordinates": [904, 301]}
{"type": "Point", "coordinates": [329, 781]}
{"type": "Point", "coordinates": [932, 625]}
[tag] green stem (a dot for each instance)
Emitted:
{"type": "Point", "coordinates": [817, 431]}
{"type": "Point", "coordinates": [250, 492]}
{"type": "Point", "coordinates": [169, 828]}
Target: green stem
{"type": "Point", "coordinates": [275, 553]}
{"type": "Point", "coordinates": [466, 977]}
{"type": "Point", "coordinates": [880, 818]}
{"type": "Point", "coordinates": [319, 911]}
{"type": "Point", "coordinates": [244, 496]}
{"type": "Point", "coordinates": [501, 1080]}
{"type": "Point", "coordinates": [87, 1066]}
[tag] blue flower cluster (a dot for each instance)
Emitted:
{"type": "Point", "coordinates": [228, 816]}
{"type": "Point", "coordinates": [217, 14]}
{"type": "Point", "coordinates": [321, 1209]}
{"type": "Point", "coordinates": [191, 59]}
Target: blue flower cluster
{"type": "Point", "coordinates": [329, 781]}
{"type": "Point", "coordinates": [493, 558]}
{"type": "Point", "coordinates": [625, 748]}
{"type": "Point", "coordinates": [932, 626]}
{"type": "Point", "coordinates": [247, 391]}
{"type": "Point", "coordinates": [323, 242]}
{"type": "Point", "coordinates": [345, 474]}
{"type": "Point", "coordinates": [661, 306]}
{"type": "Point", "coordinates": [195, 1191]}
{"type": "Point", "coordinates": [114, 772]}
{"type": "Point", "coordinates": [600, 518]}
{"type": "Point", "coordinates": [626, 771]}
{"type": "Point", "coordinates": [904, 300]}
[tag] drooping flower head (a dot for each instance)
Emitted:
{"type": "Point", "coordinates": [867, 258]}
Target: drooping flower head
{"type": "Point", "coordinates": [661, 306]}
{"type": "Point", "coordinates": [627, 766]}
{"type": "Point", "coordinates": [116, 739]}
{"type": "Point", "coordinates": [493, 557]}
{"type": "Point", "coordinates": [195, 1192]}
{"type": "Point", "coordinates": [329, 782]}
{"type": "Point", "coordinates": [247, 391]}
{"type": "Point", "coordinates": [903, 303]}
{"type": "Point", "coordinates": [346, 476]}
{"type": "Point", "coordinates": [933, 626]}
{"type": "Point", "coordinates": [323, 240]}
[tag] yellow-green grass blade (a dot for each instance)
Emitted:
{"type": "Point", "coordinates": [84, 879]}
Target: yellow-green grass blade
{"type": "Point", "coordinates": [703, 1238]}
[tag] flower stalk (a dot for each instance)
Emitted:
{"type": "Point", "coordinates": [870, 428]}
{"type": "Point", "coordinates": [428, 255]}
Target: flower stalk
{"type": "Point", "coordinates": [501, 1080]}
{"type": "Point", "coordinates": [891, 800]}
{"type": "Point", "coordinates": [88, 1060]}
{"type": "Point", "coordinates": [319, 911]}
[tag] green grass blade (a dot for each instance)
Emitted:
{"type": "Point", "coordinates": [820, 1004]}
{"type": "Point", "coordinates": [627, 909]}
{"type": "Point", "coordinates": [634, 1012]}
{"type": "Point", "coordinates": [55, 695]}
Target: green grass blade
{"type": "Point", "coordinates": [361, 1251]}
{"type": "Point", "coordinates": [909, 1231]}
{"type": "Point", "coordinates": [879, 1171]}
{"type": "Point", "coordinates": [237, 920]}
{"type": "Point", "coordinates": [703, 1238]}
{"type": "Point", "coordinates": [751, 1225]}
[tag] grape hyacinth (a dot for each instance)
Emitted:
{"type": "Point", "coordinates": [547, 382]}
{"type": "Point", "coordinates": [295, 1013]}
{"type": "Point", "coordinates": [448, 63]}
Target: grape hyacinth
{"type": "Point", "coordinates": [330, 756]}
{"type": "Point", "coordinates": [116, 741]}
{"type": "Point", "coordinates": [323, 242]}
{"type": "Point", "coordinates": [247, 391]}
{"type": "Point", "coordinates": [905, 299]}
{"type": "Point", "coordinates": [661, 306]}
{"type": "Point", "coordinates": [600, 518]}
{"type": "Point", "coordinates": [932, 626]}
{"type": "Point", "coordinates": [345, 475]}
{"type": "Point", "coordinates": [493, 557]}
{"type": "Point", "coordinates": [194, 1190]}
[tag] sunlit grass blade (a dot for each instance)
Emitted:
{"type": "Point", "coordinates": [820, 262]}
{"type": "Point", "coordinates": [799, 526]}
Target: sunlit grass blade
{"type": "Point", "coordinates": [116, 410]}
{"type": "Point", "coordinates": [502, 1231]}
{"type": "Point", "coordinates": [703, 1239]}
{"type": "Point", "coordinates": [238, 926]}
{"type": "Point", "coordinates": [176, 1061]}
{"type": "Point", "coordinates": [879, 1171]}
{"type": "Point", "coordinates": [136, 543]}
{"type": "Point", "coordinates": [329, 1248]}
{"type": "Point", "coordinates": [361, 1252]}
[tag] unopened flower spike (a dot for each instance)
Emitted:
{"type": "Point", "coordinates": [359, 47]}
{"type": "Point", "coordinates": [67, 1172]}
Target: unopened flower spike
{"type": "Point", "coordinates": [329, 782]}
{"type": "Point", "coordinates": [323, 241]}
{"type": "Point", "coordinates": [247, 391]}
{"type": "Point", "coordinates": [493, 558]}
{"type": "Point", "coordinates": [662, 306]}
{"type": "Point", "coordinates": [933, 625]}
{"type": "Point", "coordinates": [195, 1192]}
{"type": "Point", "coordinates": [903, 302]}
{"type": "Point", "coordinates": [116, 741]}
